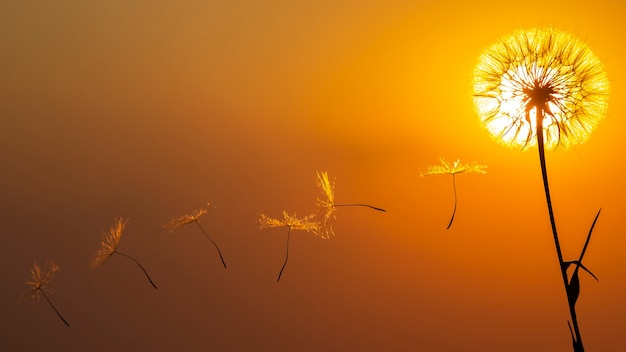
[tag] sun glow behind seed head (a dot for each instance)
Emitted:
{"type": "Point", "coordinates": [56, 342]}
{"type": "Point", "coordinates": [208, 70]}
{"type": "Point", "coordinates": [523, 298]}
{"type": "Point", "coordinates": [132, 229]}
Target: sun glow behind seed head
{"type": "Point", "coordinates": [540, 72]}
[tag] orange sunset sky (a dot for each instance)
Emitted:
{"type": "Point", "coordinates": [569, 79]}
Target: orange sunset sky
{"type": "Point", "coordinates": [148, 109]}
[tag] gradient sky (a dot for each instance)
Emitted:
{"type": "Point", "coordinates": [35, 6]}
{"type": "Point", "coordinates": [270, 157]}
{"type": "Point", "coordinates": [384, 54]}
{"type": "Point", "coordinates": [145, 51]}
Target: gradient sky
{"type": "Point", "coordinates": [149, 109]}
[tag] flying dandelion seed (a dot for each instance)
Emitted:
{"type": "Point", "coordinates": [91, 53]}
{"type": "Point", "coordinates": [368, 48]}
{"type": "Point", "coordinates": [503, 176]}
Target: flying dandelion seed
{"type": "Point", "coordinates": [38, 285]}
{"type": "Point", "coordinates": [292, 223]}
{"type": "Point", "coordinates": [544, 88]}
{"type": "Point", "coordinates": [179, 222]}
{"type": "Point", "coordinates": [328, 207]}
{"type": "Point", "coordinates": [108, 247]}
{"type": "Point", "coordinates": [447, 168]}
{"type": "Point", "coordinates": [540, 77]}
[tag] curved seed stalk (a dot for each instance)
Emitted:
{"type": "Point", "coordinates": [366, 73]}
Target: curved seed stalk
{"type": "Point", "coordinates": [455, 201]}
{"type": "Point", "coordinates": [141, 266]}
{"type": "Point", "coordinates": [360, 205]}
{"type": "Point", "coordinates": [214, 244]}
{"type": "Point", "coordinates": [286, 255]}
{"type": "Point", "coordinates": [53, 307]}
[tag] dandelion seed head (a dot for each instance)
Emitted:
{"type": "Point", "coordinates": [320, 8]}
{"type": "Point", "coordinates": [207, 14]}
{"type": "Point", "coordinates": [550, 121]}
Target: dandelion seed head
{"type": "Point", "coordinates": [326, 205]}
{"type": "Point", "coordinates": [179, 222]}
{"type": "Point", "coordinates": [453, 168]}
{"type": "Point", "coordinates": [109, 243]}
{"type": "Point", "coordinates": [328, 189]}
{"type": "Point", "coordinates": [306, 223]}
{"type": "Point", "coordinates": [540, 73]}
{"type": "Point", "coordinates": [39, 280]}
{"type": "Point", "coordinates": [325, 229]}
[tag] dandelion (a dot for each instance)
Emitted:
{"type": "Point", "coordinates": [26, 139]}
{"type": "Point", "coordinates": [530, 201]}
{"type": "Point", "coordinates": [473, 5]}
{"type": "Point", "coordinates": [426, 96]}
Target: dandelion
{"type": "Point", "coordinates": [38, 282]}
{"type": "Point", "coordinates": [540, 80]}
{"type": "Point", "coordinates": [292, 223]}
{"type": "Point", "coordinates": [179, 222]}
{"type": "Point", "coordinates": [447, 168]}
{"type": "Point", "coordinates": [327, 204]}
{"type": "Point", "coordinates": [544, 88]}
{"type": "Point", "coordinates": [108, 247]}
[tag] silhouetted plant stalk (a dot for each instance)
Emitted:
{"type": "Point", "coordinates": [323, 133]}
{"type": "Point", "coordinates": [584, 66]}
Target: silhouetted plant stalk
{"type": "Point", "coordinates": [328, 207]}
{"type": "Point", "coordinates": [179, 222]}
{"type": "Point", "coordinates": [108, 247]}
{"type": "Point", "coordinates": [544, 88]}
{"type": "Point", "coordinates": [447, 168]}
{"type": "Point", "coordinates": [290, 222]}
{"type": "Point", "coordinates": [38, 282]}
{"type": "Point", "coordinates": [572, 286]}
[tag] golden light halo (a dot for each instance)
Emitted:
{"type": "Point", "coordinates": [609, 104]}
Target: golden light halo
{"type": "Point", "coordinates": [511, 74]}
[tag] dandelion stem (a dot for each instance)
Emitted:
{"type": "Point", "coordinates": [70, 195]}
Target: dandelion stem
{"type": "Point", "coordinates": [210, 239]}
{"type": "Point", "coordinates": [286, 254]}
{"type": "Point", "coordinates": [53, 307]}
{"type": "Point", "coordinates": [142, 268]}
{"type": "Point", "coordinates": [576, 338]}
{"type": "Point", "coordinates": [454, 210]}
{"type": "Point", "coordinates": [359, 205]}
